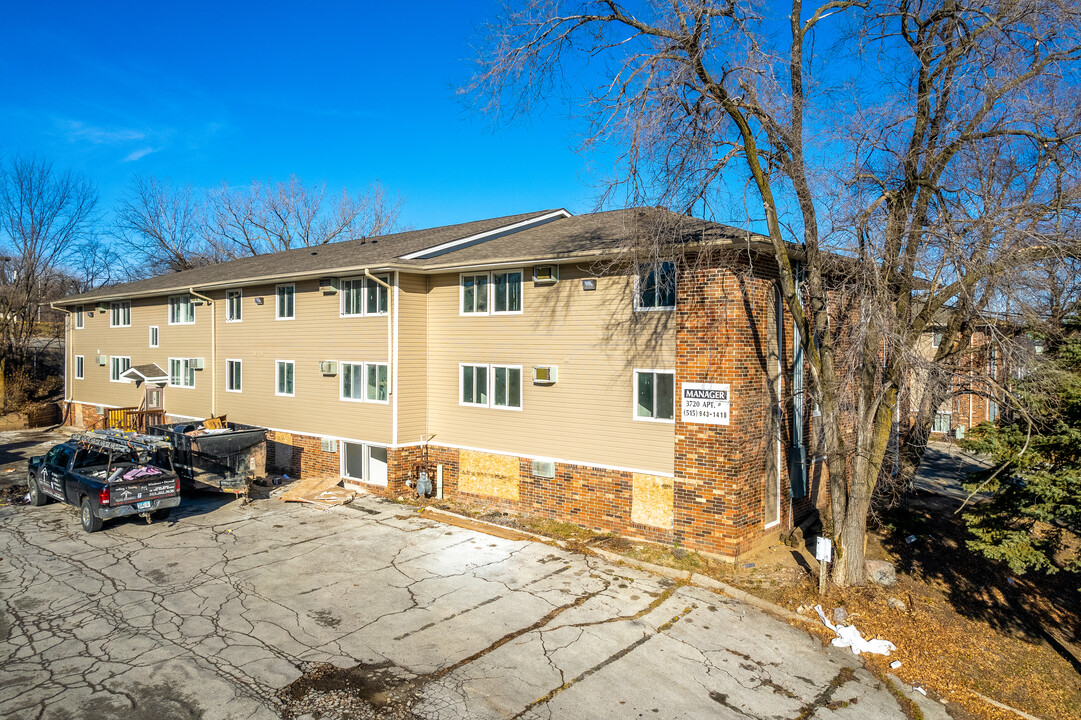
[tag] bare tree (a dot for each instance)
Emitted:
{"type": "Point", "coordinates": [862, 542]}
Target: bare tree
{"type": "Point", "coordinates": [284, 215]}
{"type": "Point", "coordinates": [915, 164]}
{"type": "Point", "coordinates": [45, 216]}
{"type": "Point", "coordinates": [163, 227]}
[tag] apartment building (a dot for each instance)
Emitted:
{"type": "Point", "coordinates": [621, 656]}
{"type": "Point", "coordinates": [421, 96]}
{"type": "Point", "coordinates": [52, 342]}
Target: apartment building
{"type": "Point", "coordinates": [517, 359]}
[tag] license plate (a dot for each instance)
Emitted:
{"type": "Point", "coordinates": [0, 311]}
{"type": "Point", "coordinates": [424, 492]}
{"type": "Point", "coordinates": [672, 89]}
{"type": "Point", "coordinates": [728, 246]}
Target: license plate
{"type": "Point", "coordinates": [143, 505]}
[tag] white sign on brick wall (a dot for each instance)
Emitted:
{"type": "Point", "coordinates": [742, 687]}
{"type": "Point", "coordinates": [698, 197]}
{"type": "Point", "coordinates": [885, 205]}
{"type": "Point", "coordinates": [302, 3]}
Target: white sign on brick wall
{"type": "Point", "coordinates": [708, 403]}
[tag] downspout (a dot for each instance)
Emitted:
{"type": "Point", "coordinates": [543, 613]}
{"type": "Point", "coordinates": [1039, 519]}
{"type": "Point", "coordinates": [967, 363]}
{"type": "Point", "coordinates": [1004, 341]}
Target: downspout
{"type": "Point", "coordinates": [213, 352]}
{"type": "Point", "coordinates": [972, 373]}
{"type": "Point", "coordinates": [67, 350]}
{"type": "Point", "coordinates": [392, 375]}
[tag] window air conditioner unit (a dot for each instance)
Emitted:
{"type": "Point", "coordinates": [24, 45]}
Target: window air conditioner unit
{"type": "Point", "coordinates": [328, 445]}
{"type": "Point", "coordinates": [328, 286]}
{"type": "Point", "coordinates": [546, 274]}
{"type": "Point", "coordinates": [544, 374]}
{"type": "Point", "coordinates": [544, 468]}
{"type": "Point", "coordinates": [196, 363]}
{"type": "Point", "coordinates": [102, 360]}
{"type": "Point", "coordinates": [328, 367]}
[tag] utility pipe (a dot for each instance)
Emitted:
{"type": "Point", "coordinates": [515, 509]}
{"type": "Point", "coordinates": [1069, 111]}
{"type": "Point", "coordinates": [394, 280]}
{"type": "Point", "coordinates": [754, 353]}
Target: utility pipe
{"type": "Point", "coordinates": [390, 328]}
{"type": "Point", "coordinates": [213, 352]}
{"type": "Point", "coordinates": [392, 369]}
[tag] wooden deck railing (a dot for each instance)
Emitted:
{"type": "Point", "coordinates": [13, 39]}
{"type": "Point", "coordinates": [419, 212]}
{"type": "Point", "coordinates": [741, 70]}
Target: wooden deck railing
{"type": "Point", "coordinates": [133, 419]}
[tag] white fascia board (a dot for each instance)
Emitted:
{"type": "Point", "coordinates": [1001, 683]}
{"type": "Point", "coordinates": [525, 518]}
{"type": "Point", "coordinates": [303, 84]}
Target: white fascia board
{"type": "Point", "coordinates": [481, 237]}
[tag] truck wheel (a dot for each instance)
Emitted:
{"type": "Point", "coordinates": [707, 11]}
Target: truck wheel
{"type": "Point", "coordinates": [37, 498]}
{"type": "Point", "coordinates": [91, 522]}
{"type": "Point", "coordinates": [162, 514]}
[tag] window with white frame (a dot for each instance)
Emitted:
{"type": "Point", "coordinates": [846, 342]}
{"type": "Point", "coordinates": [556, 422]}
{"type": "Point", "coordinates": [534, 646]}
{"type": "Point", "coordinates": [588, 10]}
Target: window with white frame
{"type": "Point", "coordinates": [474, 385]}
{"type": "Point", "coordinates": [507, 387]}
{"type": "Point", "coordinates": [352, 381]}
{"type": "Point", "coordinates": [375, 302]}
{"type": "Point", "coordinates": [375, 389]}
{"type": "Point", "coordinates": [285, 309]}
{"type": "Point", "coordinates": [365, 463]}
{"type": "Point", "coordinates": [474, 290]}
{"type": "Point", "coordinates": [234, 371]}
{"type": "Point", "coordinates": [936, 339]}
{"type": "Point", "coordinates": [153, 336]}
{"type": "Point", "coordinates": [364, 296]}
{"type": "Point", "coordinates": [285, 378]}
{"type": "Point", "coordinates": [234, 302]}
{"type": "Point", "coordinates": [506, 292]}
{"type": "Point", "coordinates": [942, 423]}
{"type": "Point", "coordinates": [181, 310]}
{"type": "Point", "coordinates": [491, 293]}
{"type": "Point", "coordinates": [80, 365]}
{"type": "Point", "coordinates": [496, 386]}
{"type": "Point", "coordinates": [655, 397]}
{"type": "Point", "coordinates": [655, 286]}
{"type": "Point", "coordinates": [992, 411]}
{"type": "Point", "coordinates": [120, 314]}
{"type": "Point", "coordinates": [181, 373]}
{"type": "Point", "coordinates": [117, 365]}
{"type": "Point", "coordinates": [364, 382]}
{"type": "Point", "coordinates": [80, 317]}
{"type": "Point", "coordinates": [352, 290]}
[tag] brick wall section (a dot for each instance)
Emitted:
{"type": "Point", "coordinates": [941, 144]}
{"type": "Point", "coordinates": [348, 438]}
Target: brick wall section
{"type": "Point", "coordinates": [92, 419]}
{"type": "Point", "coordinates": [723, 335]}
{"type": "Point", "coordinates": [595, 498]}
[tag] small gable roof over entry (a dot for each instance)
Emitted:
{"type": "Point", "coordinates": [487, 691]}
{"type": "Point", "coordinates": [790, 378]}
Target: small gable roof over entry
{"type": "Point", "coordinates": [147, 373]}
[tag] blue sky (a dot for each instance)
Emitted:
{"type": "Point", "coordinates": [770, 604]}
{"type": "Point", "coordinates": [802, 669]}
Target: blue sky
{"type": "Point", "coordinates": [339, 93]}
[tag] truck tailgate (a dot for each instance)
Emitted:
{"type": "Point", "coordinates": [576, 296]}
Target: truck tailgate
{"type": "Point", "coordinates": [137, 490]}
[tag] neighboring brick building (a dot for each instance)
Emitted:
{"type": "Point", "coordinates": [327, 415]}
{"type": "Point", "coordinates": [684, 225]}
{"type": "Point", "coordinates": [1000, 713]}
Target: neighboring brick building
{"type": "Point", "coordinates": [515, 358]}
{"type": "Point", "coordinates": [976, 383]}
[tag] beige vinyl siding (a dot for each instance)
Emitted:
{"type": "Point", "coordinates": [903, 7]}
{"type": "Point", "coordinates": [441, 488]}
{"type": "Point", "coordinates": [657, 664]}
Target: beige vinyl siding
{"type": "Point", "coordinates": [412, 357]}
{"type": "Point", "coordinates": [594, 338]}
{"type": "Point", "coordinates": [187, 341]}
{"type": "Point", "coordinates": [317, 333]}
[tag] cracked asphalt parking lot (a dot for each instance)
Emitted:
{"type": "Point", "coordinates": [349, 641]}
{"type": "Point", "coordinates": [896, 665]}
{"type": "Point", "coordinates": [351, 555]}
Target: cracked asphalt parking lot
{"type": "Point", "coordinates": [212, 613]}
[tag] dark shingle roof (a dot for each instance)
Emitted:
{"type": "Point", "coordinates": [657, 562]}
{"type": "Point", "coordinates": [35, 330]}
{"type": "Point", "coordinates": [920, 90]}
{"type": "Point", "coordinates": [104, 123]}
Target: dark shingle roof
{"type": "Point", "coordinates": [601, 233]}
{"type": "Point", "coordinates": [581, 235]}
{"type": "Point", "coordinates": [150, 371]}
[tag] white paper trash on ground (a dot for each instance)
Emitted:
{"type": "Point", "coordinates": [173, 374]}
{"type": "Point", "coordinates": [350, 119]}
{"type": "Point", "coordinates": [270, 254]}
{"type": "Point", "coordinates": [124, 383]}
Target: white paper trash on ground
{"type": "Point", "coordinates": [848, 636]}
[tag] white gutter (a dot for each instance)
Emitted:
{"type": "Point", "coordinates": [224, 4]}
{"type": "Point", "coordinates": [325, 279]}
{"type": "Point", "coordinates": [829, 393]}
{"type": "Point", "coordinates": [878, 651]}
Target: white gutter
{"type": "Point", "coordinates": [213, 352]}
{"type": "Point", "coordinates": [427, 269]}
{"type": "Point", "coordinates": [67, 350]}
{"type": "Point", "coordinates": [392, 356]}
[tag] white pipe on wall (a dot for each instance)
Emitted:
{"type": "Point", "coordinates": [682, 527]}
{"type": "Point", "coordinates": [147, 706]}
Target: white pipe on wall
{"type": "Point", "coordinates": [213, 352]}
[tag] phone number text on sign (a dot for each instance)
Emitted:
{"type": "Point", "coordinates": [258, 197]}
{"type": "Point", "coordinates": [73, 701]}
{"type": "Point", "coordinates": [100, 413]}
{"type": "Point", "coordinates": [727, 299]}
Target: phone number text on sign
{"type": "Point", "coordinates": [705, 403]}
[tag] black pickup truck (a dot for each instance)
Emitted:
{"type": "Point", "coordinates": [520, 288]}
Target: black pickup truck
{"type": "Point", "coordinates": [107, 474]}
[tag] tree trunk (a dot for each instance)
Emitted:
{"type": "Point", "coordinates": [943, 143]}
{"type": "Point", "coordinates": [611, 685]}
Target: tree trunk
{"type": "Point", "coordinates": [849, 567]}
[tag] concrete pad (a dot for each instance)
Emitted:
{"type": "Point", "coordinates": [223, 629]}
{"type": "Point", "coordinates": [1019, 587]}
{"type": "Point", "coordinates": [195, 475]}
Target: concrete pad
{"type": "Point", "coordinates": [210, 614]}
